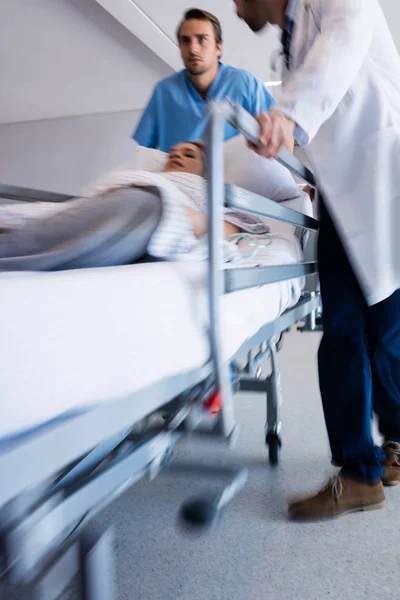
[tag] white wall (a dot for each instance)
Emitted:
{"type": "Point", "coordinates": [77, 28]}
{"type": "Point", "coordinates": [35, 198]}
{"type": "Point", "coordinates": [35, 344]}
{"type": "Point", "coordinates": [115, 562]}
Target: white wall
{"type": "Point", "coordinates": [64, 58]}
{"type": "Point", "coordinates": [391, 9]}
{"type": "Point", "coordinates": [73, 84]}
{"type": "Point", "coordinates": [63, 155]}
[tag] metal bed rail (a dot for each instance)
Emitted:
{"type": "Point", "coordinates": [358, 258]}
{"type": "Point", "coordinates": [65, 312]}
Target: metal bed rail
{"type": "Point", "coordinates": [12, 192]}
{"type": "Point", "coordinates": [222, 281]}
{"type": "Point", "coordinates": [243, 122]}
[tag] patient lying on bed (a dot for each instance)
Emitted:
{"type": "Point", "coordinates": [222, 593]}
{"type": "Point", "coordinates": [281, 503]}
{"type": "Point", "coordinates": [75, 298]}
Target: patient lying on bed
{"type": "Point", "coordinates": [118, 220]}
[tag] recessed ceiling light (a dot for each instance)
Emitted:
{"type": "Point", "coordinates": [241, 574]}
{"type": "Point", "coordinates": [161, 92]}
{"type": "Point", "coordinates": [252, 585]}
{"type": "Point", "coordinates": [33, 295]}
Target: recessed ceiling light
{"type": "Point", "coordinates": [270, 83]}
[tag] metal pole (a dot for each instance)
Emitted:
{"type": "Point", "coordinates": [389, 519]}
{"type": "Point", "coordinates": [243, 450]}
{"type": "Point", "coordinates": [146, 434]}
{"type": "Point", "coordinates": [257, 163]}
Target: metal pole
{"type": "Point", "coordinates": [97, 566]}
{"type": "Point", "coordinates": [216, 279]}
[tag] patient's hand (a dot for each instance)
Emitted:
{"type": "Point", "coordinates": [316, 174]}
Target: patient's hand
{"type": "Point", "coordinates": [114, 189]}
{"type": "Point", "coordinates": [231, 229]}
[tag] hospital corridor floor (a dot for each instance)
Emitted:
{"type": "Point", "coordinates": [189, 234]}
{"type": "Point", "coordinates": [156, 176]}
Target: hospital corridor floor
{"type": "Point", "coordinates": [255, 552]}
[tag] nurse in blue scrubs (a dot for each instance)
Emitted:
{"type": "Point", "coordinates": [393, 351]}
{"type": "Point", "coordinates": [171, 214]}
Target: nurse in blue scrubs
{"type": "Point", "coordinates": [178, 106]}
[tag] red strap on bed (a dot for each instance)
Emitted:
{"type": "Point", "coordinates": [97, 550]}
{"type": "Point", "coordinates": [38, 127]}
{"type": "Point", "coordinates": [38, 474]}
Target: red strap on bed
{"type": "Point", "coordinates": [214, 403]}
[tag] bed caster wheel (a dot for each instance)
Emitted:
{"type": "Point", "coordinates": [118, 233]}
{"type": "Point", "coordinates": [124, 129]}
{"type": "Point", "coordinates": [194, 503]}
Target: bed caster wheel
{"type": "Point", "coordinates": [274, 449]}
{"type": "Point", "coordinates": [200, 512]}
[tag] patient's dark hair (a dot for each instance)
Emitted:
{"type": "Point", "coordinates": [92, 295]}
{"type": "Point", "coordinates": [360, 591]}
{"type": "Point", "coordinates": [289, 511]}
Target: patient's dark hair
{"type": "Point", "coordinates": [197, 14]}
{"type": "Point", "coordinates": [202, 147]}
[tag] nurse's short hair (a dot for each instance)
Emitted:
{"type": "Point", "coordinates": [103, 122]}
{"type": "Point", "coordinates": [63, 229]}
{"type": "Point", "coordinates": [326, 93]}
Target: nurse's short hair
{"type": "Point", "coordinates": [197, 14]}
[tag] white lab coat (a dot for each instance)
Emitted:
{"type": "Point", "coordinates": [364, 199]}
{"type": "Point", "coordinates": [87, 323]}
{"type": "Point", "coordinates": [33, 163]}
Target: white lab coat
{"type": "Point", "coordinates": [343, 91]}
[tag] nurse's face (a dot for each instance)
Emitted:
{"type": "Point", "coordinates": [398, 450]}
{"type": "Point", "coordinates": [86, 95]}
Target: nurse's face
{"type": "Point", "coordinates": [255, 13]}
{"type": "Point", "coordinates": [199, 48]}
{"type": "Point", "coordinates": [185, 158]}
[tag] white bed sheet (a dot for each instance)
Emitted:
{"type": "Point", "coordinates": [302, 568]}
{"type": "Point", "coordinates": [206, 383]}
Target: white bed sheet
{"type": "Point", "coordinates": [70, 340]}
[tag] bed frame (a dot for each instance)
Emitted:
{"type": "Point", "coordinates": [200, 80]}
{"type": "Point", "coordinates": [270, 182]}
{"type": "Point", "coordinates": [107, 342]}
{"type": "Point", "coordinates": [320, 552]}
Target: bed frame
{"type": "Point", "coordinates": [48, 500]}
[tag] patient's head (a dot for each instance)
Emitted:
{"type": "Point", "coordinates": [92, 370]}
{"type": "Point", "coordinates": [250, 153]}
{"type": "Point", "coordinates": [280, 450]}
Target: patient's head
{"type": "Point", "coordinates": [187, 157]}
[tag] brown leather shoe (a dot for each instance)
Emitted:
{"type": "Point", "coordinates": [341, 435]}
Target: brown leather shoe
{"type": "Point", "coordinates": [391, 476]}
{"type": "Point", "coordinates": [341, 496]}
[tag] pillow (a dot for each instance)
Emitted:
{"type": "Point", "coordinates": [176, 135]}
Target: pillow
{"type": "Point", "coordinates": [302, 204]}
{"type": "Point", "coordinates": [268, 178]}
{"type": "Point", "coordinates": [149, 159]}
{"type": "Point", "coordinates": [259, 175]}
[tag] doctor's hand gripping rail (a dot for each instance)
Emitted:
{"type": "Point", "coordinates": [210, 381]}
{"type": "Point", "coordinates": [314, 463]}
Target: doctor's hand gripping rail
{"type": "Point", "coordinates": [230, 280]}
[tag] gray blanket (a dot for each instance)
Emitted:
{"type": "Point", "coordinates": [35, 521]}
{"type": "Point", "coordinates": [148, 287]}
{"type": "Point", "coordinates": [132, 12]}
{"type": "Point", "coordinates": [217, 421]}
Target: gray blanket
{"type": "Point", "coordinates": [112, 229]}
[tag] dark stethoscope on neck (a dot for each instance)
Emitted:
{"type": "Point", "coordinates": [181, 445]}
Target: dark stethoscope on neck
{"type": "Point", "coordinates": [277, 61]}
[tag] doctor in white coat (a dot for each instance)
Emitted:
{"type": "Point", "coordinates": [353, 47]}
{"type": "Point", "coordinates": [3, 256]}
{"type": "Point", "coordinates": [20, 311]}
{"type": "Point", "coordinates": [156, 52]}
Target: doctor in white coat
{"type": "Point", "coordinates": [340, 99]}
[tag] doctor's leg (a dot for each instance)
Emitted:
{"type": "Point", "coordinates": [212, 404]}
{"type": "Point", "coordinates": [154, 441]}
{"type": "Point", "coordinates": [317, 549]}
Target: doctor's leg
{"type": "Point", "coordinates": [383, 329]}
{"type": "Point", "coordinates": [343, 360]}
{"type": "Point", "coordinates": [346, 388]}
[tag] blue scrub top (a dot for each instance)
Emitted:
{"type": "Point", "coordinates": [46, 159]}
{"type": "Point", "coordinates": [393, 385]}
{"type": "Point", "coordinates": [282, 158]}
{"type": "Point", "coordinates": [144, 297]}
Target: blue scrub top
{"type": "Point", "coordinates": [177, 113]}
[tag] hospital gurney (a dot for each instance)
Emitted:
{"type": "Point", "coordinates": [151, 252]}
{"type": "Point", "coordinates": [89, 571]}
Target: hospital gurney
{"type": "Point", "coordinates": [58, 474]}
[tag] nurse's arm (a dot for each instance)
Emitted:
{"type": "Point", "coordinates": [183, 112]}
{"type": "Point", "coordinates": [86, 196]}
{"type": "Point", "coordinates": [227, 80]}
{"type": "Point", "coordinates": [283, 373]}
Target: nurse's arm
{"type": "Point", "coordinates": [315, 90]}
{"type": "Point", "coordinates": [147, 130]}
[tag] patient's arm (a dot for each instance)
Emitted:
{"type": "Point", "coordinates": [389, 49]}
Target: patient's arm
{"type": "Point", "coordinates": [199, 223]}
{"type": "Point", "coordinates": [120, 179]}
{"type": "Point", "coordinates": [231, 229]}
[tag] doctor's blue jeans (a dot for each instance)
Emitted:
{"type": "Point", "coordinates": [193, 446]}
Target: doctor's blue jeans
{"type": "Point", "coordinates": [358, 361]}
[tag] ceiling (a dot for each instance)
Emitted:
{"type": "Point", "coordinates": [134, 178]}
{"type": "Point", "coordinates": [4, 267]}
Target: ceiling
{"type": "Point", "coordinates": [77, 57]}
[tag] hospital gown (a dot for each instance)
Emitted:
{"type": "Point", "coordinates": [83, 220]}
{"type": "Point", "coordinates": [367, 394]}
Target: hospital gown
{"type": "Point", "coordinates": [144, 214]}
{"type": "Point", "coordinates": [174, 235]}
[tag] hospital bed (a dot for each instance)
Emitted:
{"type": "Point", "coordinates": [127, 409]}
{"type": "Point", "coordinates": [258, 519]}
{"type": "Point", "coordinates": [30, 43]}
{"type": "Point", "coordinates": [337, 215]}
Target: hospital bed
{"type": "Point", "coordinates": [104, 370]}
